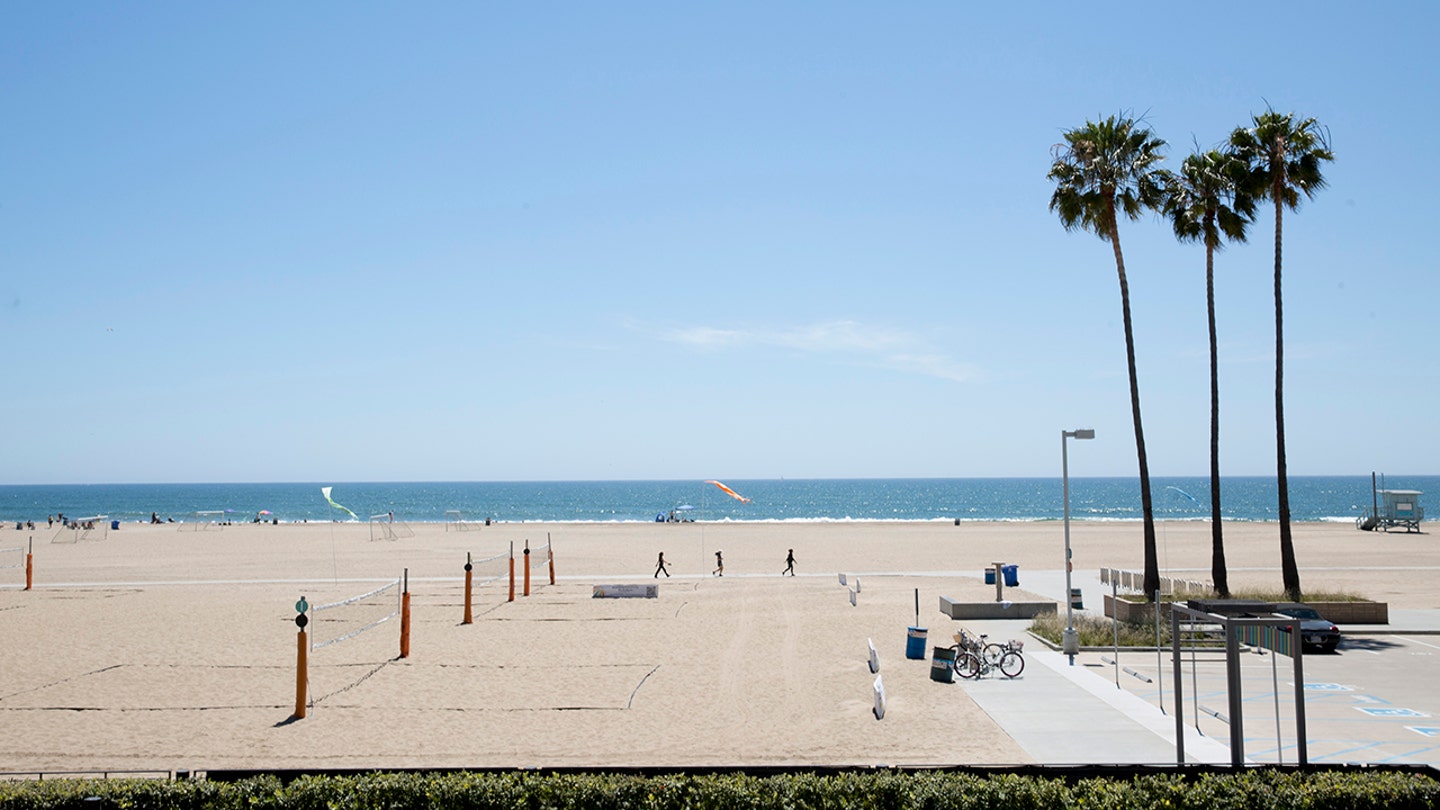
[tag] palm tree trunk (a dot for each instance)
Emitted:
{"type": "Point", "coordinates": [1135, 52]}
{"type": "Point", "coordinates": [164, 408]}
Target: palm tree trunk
{"type": "Point", "coordinates": [1289, 571]}
{"type": "Point", "coordinates": [1152, 564]}
{"type": "Point", "coordinates": [1218, 572]}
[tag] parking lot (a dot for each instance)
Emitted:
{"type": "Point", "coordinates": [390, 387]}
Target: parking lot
{"type": "Point", "coordinates": [1373, 700]}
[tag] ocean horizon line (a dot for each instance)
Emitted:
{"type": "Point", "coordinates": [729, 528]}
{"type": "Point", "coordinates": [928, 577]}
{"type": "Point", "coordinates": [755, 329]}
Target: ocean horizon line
{"type": "Point", "coordinates": [782, 479]}
{"type": "Point", "coordinates": [1029, 499]}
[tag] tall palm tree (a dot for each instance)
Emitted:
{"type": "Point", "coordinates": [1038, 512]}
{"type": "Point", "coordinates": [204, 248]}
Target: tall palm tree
{"type": "Point", "coordinates": [1284, 155]}
{"type": "Point", "coordinates": [1103, 169]}
{"type": "Point", "coordinates": [1206, 201]}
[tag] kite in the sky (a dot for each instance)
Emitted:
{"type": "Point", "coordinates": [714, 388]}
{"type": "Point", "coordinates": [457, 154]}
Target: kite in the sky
{"type": "Point", "coordinates": [326, 492]}
{"type": "Point", "coordinates": [1186, 494]}
{"type": "Point", "coordinates": [728, 491]}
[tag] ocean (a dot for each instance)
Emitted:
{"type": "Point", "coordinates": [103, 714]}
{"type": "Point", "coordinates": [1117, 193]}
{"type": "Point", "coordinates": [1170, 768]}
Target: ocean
{"type": "Point", "coordinates": [1312, 498]}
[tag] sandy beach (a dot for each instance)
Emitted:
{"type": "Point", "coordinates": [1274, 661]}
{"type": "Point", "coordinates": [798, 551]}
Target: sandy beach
{"type": "Point", "coordinates": [157, 648]}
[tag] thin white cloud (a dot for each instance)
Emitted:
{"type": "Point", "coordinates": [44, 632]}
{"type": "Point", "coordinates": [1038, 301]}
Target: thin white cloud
{"type": "Point", "coordinates": [852, 342]}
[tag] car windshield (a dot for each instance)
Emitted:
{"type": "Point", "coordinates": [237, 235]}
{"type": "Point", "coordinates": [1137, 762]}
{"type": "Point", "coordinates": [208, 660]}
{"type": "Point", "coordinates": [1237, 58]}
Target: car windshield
{"type": "Point", "coordinates": [1301, 613]}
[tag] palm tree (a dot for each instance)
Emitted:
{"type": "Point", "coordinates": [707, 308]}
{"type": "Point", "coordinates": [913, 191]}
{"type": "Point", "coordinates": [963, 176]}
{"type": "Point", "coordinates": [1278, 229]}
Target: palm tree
{"type": "Point", "coordinates": [1105, 168]}
{"type": "Point", "coordinates": [1284, 157]}
{"type": "Point", "coordinates": [1206, 202]}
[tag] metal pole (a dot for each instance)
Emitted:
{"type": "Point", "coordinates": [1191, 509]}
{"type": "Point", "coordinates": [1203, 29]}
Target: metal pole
{"type": "Point", "coordinates": [1159, 667]}
{"type": "Point", "coordinates": [1271, 644]}
{"type": "Point", "coordinates": [1300, 733]}
{"type": "Point", "coordinates": [1176, 670]}
{"type": "Point", "coordinates": [1232, 678]}
{"type": "Point", "coordinates": [1115, 624]}
{"type": "Point", "coordinates": [1070, 641]}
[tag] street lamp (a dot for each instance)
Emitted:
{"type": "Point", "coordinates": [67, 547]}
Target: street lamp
{"type": "Point", "coordinates": [1069, 640]}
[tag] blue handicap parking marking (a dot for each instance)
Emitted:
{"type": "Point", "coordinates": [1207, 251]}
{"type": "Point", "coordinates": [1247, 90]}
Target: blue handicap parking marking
{"type": "Point", "coordinates": [1369, 699]}
{"type": "Point", "coordinates": [1428, 731]}
{"type": "Point", "coordinates": [1328, 687]}
{"type": "Point", "coordinates": [1377, 711]}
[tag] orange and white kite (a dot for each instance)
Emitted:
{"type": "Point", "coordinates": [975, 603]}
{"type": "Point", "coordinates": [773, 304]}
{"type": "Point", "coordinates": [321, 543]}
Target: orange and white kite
{"type": "Point", "coordinates": [728, 491]}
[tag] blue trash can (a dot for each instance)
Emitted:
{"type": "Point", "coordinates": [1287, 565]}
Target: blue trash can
{"type": "Point", "coordinates": [1012, 575]}
{"type": "Point", "coordinates": [115, 525]}
{"type": "Point", "coordinates": [915, 644]}
{"type": "Point", "coordinates": [989, 576]}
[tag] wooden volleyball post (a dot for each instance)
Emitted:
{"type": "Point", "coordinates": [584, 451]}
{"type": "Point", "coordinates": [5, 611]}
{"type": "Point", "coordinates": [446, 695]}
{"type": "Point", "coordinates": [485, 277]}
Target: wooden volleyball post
{"type": "Point", "coordinates": [469, 570]}
{"type": "Point", "coordinates": [527, 567]}
{"type": "Point", "coordinates": [405, 616]}
{"type": "Point", "coordinates": [512, 571]}
{"type": "Point", "coordinates": [30, 565]}
{"type": "Point", "coordinates": [302, 647]}
{"type": "Point", "coordinates": [550, 553]}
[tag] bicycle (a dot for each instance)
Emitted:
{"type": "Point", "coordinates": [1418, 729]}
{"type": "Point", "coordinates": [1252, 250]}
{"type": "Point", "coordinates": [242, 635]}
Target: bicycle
{"type": "Point", "coordinates": [990, 651]}
{"type": "Point", "coordinates": [975, 657]}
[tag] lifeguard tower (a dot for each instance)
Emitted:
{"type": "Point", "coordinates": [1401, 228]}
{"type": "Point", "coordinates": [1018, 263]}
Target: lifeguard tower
{"type": "Point", "coordinates": [1394, 508]}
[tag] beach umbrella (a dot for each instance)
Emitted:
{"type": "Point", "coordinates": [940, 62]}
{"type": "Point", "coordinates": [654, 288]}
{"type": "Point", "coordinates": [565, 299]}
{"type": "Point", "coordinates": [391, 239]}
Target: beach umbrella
{"type": "Point", "coordinates": [264, 511]}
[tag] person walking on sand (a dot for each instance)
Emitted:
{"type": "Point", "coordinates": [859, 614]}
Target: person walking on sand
{"type": "Point", "coordinates": [719, 565]}
{"type": "Point", "coordinates": [660, 566]}
{"type": "Point", "coordinates": [789, 563]}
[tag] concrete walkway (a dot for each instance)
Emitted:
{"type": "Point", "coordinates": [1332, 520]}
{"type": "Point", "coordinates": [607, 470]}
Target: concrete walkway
{"type": "Point", "coordinates": [1064, 714]}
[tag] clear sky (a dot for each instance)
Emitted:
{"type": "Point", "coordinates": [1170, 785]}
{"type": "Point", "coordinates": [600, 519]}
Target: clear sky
{"type": "Point", "coordinates": [516, 241]}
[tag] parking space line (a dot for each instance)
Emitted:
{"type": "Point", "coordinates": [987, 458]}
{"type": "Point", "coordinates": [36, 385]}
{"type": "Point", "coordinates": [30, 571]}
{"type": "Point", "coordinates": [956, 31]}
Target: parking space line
{"type": "Point", "coordinates": [1417, 641]}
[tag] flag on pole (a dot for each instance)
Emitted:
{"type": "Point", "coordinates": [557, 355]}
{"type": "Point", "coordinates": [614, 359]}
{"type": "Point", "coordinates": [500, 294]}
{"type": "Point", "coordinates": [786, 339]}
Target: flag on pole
{"type": "Point", "coordinates": [326, 492]}
{"type": "Point", "coordinates": [728, 491]}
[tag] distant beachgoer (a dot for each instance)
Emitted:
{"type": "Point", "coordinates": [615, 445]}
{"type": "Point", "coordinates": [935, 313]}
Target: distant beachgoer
{"type": "Point", "coordinates": [154, 518]}
{"type": "Point", "coordinates": [789, 563]}
{"type": "Point", "coordinates": [52, 521]}
{"type": "Point", "coordinates": [719, 565]}
{"type": "Point", "coordinates": [660, 566]}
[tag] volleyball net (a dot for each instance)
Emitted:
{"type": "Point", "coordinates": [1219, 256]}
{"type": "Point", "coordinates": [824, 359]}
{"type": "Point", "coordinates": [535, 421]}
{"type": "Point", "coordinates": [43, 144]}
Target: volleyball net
{"type": "Point", "coordinates": [351, 618]}
{"type": "Point", "coordinates": [204, 521]}
{"type": "Point", "coordinates": [455, 522]}
{"type": "Point", "coordinates": [492, 569]}
{"type": "Point", "coordinates": [12, 558]}
{"type": "Point", "coordinates": [95, 527]}
{"type": "Point", "coordinates": [386, 527]}
{"type": "Point", "coordinates": [542, 560]}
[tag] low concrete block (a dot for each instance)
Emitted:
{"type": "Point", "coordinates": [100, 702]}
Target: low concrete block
{"type": "Point", "coordinates": [994, 610]}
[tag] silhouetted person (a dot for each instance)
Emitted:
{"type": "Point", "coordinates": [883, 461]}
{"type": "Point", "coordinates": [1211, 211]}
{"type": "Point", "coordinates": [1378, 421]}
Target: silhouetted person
{"type": "Point", "coordinates": [789, 563]}
{"type": "Point", "coordinates": [660, 566]}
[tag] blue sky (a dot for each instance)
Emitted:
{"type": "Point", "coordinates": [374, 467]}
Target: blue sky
{"type": "Point", "coordinates": [465, 241]}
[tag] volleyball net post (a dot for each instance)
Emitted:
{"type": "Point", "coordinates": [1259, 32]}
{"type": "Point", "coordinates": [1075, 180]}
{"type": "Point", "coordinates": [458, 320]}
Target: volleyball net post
{"type": "Point", "coordinates": [302, 649]}
{"type": "Point", "coordinates": [527, 567]}
{"type": "Point", "coordinates": [550, 556]}
{"type": "Point", "coordinates": [405, 615]}
{"type": "Point", "coordinates": [469, 574]}
{"type": "Point", "coordinates": [512, 571]}
{"type": "Point", "coordinates": [30, 565]}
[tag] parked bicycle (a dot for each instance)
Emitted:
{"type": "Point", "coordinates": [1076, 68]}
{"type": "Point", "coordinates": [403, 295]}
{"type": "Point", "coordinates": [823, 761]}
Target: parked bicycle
{"type": "Point", "coordinates": [976, 657]}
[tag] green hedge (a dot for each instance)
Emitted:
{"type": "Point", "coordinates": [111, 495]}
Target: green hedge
{"type": "Point", "coordinates": [1258, 789]}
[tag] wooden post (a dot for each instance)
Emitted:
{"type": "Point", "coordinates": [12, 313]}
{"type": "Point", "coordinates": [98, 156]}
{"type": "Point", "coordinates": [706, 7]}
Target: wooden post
{"type": "Point", "coordinates": [512, 571]}
{"type": "Point", "coordinates": [301, 676]}
{"type": "Point", "coordinates": [527, 567]}
{"type": "Point", "coordinates": [405, 617]}
{"type": "Point", "coordinates": [302, 649]}
{"type": "Point", "coordinates": [550, 549]}
{"type": "Point", "coordinates": [469, 572]}
{"type": "Point", "coordinates": [30, 566]}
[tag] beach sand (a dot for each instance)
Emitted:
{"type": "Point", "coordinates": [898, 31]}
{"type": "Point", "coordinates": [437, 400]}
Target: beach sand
{"type": "Point", "coordinates": [157, 648]}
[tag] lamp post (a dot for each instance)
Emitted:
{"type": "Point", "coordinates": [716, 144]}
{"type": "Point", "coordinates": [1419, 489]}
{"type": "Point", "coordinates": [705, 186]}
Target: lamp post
{"type": "Point", "coordinates": [1069, 640]}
